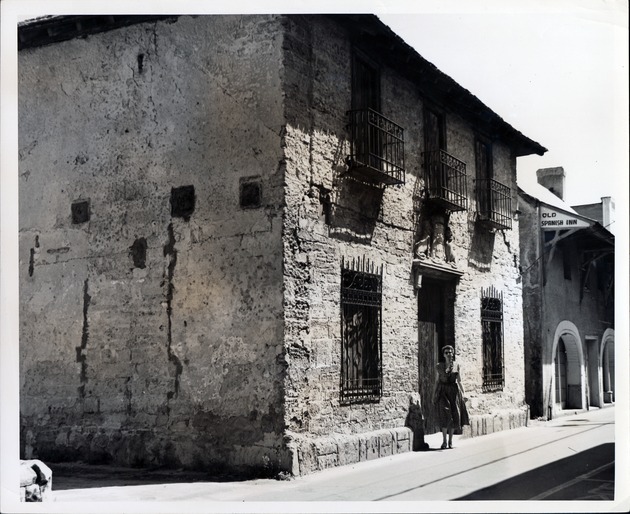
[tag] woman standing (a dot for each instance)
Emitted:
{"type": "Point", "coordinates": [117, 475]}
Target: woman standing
{"type": "Point", "coordinates": [449, 398]}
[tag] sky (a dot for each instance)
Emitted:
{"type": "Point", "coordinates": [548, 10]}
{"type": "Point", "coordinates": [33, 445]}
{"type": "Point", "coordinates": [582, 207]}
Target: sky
{"type": "Point", "coordinates": [556, 70]}
{"type": "Point", "coordinates": [559, 77]}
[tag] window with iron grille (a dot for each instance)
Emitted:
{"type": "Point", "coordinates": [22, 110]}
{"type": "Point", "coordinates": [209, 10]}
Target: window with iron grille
{"type": "Point", "coordinates": [361, 350]}
{"type": "Point", "coordinates": [376, 143]}
{"type": "Point", "coordinates": [494, 199]}
{"type": "Point", "coordinates": [492, 336]}
{"type": "Point", "coordinates": [444, 175]}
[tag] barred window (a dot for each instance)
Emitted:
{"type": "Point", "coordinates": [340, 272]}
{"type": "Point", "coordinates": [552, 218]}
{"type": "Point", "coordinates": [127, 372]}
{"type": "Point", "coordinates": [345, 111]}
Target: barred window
{"type": "Point", "coordinates": [492, 335]}
{"type": "Point", "coordinates": [361, 350]}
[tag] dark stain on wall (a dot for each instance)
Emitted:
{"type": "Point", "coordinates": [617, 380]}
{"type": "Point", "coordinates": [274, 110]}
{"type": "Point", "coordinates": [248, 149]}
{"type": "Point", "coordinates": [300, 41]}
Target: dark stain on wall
{"type": "Point", "coordinates": [81, 356]}
{"type": "Point", "coordinates": [128, 395]}
{"type": "Point", "coordinates": [138, 252]}
{"type": "Point", "coordinates": [171, 252]}
{"type": "Point", "coordinates": [31, 261]}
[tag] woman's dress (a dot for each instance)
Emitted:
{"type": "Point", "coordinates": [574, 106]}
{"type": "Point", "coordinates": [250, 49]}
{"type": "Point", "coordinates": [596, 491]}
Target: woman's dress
{"type": "Point", "coordinates": [450, 404]}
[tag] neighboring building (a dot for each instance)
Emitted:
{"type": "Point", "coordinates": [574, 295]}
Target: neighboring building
{"type": "Point", "coordinates": [568, 263]}
{"type": "Point", "coordinates": [245, 239]}
{"type": "Point", "coordinates": [602, 212]}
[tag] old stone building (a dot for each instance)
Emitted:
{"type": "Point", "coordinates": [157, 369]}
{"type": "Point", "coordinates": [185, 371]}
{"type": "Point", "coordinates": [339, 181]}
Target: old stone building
{"type": "Point", "coordinates": [245, 239]}
{"type": "Point", "coordinates": [568, 264]}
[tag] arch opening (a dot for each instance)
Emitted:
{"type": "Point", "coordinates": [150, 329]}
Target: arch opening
{"type": "Point", "coordinates": [568, 387]}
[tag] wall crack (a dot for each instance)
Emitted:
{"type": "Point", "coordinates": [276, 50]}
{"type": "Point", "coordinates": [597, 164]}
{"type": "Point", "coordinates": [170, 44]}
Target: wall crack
{"type": "Point", "coordinates": [171, 253]}
{"type": "Point", "coordinates": [85, 333]}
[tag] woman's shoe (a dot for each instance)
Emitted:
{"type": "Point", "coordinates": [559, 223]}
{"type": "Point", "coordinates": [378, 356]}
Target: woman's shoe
{"type": "Point", "coordinates": [443, 446]}
{"type": "Point", "coordinates": [450, 446]}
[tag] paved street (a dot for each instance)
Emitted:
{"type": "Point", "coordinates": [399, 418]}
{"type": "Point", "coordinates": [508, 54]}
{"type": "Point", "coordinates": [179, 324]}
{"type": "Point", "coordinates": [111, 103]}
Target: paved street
{"type": "Point", "coordinates": [568, 458]}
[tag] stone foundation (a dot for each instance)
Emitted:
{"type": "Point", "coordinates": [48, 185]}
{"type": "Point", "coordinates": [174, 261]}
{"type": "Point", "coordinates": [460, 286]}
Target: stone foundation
{"type": "Point", "coordinates": [321, 453]}
{"type": "Point", "coordinates": [342, 449]}
{"type": "Point", "coordinates": [484, 424]}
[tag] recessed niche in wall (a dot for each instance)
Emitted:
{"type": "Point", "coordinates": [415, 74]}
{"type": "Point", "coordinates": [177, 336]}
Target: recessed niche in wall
{"type": "Point", "coordinates": [80, 211]}
{"type": "Point", "coordinates": [250, 193]}
{"type": "Point", "coordinates": [138, 252]}
{"type": "Point", "coordinates": [182, 202]}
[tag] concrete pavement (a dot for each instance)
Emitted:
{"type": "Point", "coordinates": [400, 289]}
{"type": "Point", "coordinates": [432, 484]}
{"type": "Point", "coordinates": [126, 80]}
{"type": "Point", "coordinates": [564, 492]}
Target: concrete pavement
{"type": "Point", "coordinates": [474, 467]}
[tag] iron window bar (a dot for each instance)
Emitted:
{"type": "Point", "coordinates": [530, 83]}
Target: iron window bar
{"type": "Point", "coordinates": [445, 179]}
{"type": "Point", "coordinates": [377, 148]}
{"type": "Point", "coordinates": [494, 203]}
{"type": "Point", "coordinates": [361, 331]}
{"type": "Point", "coordinates": [492, 339]}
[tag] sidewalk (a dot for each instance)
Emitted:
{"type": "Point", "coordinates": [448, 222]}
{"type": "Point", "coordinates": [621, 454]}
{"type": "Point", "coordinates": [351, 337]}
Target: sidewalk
{"type": "Point", "coordinates": [472, 465]}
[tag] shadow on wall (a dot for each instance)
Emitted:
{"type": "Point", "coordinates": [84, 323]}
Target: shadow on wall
{"type": "Point", "coordinates": [352, 208]}
{"type": "Point", "coordinates": [481, 249]}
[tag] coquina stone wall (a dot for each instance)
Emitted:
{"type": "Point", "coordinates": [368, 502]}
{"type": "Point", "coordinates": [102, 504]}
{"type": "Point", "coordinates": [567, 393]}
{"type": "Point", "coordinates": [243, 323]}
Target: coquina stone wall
{"type": "Point", "coordinates": [152, 334]}
{"type": "Point", "coordinates": [331, 217]}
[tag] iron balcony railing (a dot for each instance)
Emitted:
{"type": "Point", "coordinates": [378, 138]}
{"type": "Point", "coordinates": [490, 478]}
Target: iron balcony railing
{"type": "Point", "coordinates": [377, 148]}
{"type": "Point", "coordinates": [494, 203]}
{"type": "Point", "coordinates": [445, 178]}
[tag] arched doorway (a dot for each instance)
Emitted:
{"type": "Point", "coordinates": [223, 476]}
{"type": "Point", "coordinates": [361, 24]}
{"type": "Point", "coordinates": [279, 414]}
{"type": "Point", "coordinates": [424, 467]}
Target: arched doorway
{"type": "Point", "coordinates": [608, 365]}
{"type": "Point", "coordinates": [568, 380]}
{"type": "Point", "coordinates": [560, 374]}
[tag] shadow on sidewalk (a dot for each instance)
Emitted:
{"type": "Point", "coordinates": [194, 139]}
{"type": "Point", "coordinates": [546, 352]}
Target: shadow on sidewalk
{"type": "Point", "coordinates": [588, 475]}
{"type": "Point", "coordinates": [85, 476]}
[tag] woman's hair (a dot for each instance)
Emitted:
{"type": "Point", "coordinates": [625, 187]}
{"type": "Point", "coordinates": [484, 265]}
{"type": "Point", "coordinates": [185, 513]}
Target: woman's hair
{"type": "Point", "coordinates": [448, 347]}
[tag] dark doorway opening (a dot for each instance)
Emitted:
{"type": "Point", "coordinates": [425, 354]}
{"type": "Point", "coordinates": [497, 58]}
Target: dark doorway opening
{"type": "Point", "coordinates": [436, 316]}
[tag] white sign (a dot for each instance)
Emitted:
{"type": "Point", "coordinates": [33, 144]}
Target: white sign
{"type": "Point", "coordinates": [554, 220]}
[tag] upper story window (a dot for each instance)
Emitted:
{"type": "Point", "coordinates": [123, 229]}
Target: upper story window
{"type": "Point", "coordinates": [377, 143]}
{"type": "Point", "coordinates": [361, 351]}
{"type": "Point", "coordinates": [444, 175]}
{"type": "Point", "coordinates": [494, 199]}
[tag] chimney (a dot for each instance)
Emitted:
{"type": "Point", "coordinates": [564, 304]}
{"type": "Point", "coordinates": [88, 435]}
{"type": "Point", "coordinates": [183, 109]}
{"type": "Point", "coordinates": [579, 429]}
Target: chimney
{"type": "Point", "coordinates": [608, 212]}
{"type": "Point", "coordinates": [552, 179]}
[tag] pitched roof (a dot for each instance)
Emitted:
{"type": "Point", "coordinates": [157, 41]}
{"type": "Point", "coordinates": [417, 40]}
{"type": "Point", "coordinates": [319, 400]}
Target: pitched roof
{"type": "Point", "coordinates": [366, 29]}
{"type": "Point", "coordinates": [371, 32]}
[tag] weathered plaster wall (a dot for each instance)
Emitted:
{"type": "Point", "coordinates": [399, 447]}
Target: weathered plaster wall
{"type": "Point", "coordinates": [148, 338]}
{"type": "Point", "coordinates": [331, 217]}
